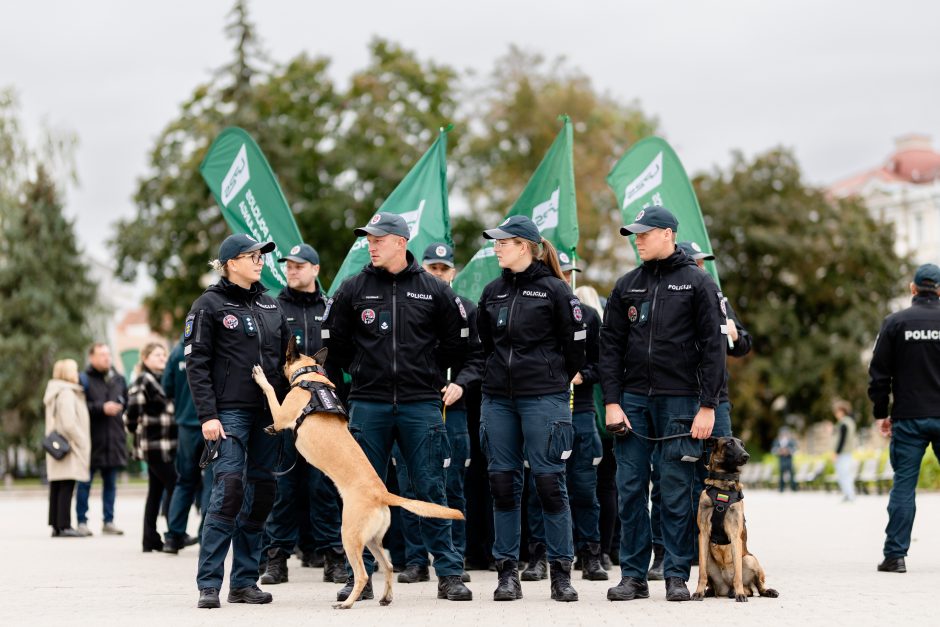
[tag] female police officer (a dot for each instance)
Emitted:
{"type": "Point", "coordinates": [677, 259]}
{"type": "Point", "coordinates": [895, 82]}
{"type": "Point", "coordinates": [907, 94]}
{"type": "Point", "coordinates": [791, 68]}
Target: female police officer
{"type": "Point", "coordinates": [533, 337]}
{"type": "Point", "coordinates": [231, 327]}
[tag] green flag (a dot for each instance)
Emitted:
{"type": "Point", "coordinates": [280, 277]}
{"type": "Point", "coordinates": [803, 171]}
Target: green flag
{"type": "Point", "coordinates": [548, 199]}
{"type": "Point", "coordinates": [251, 199]}
{"type": "Point", "coordinates": [421, 198]}
{"type": "Point", "coordinates": [651, 174]}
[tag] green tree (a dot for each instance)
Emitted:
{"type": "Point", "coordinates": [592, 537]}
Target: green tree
{"type": "Point", "coordinates": [811, 278]}
{"type": "Point", "coordinates": [45, 287]}
{"type": "Point", "coordinates": [517, 111]}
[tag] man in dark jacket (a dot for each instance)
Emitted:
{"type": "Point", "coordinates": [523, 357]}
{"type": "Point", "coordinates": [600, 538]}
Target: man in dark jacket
{"type": "Point", "coordinates": [306, 498]}
{"type": "Point", "coordinates": [106, 395]}
{"type": "Point", "coordinates": [393, 327]}
{"type": "Point", "coordinates": [905, 370]}
{"type": "Point", "coordinates": [662, 367]}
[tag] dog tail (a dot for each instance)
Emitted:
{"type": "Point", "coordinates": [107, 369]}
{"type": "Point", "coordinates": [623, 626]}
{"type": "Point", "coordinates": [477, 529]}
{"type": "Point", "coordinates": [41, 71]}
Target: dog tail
{"type": "Point", "coordinates": [423, 508]}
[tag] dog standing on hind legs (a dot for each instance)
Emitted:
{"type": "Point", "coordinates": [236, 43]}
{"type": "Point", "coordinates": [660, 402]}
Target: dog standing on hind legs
{"type": "Point", "coordinates": [312, 410]}
{"type": "Point", "coordinates": [725, 565]}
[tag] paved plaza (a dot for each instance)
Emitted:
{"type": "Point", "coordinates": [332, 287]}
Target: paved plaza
{"type": "Point", "coordinates": [818, 552]}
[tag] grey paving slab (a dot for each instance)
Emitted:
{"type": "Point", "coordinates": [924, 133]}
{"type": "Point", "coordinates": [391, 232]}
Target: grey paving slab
{"type": "Point", "coordinates": [818, 552]}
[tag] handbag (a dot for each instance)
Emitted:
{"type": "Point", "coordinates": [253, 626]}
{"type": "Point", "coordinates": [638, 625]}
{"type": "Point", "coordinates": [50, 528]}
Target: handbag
{"type": "Point", "coordinates": [56, 445]}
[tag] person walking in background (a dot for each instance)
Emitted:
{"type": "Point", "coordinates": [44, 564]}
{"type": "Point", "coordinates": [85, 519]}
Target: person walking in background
{"type": "Point", "coordinates": [189, 447]}
{"type": "Point", "coordinates": [905, 370]}
{"type": "Point", "coordinates": [844, 445]}
{"type": "Point", "coordinates": [106, 395]}
{"type": "Point", "coordinates": [149, 418]}
{"type": "Point", "coordinates": [66, 413]}
{"type": "Point", "coordinates": [784, 447]}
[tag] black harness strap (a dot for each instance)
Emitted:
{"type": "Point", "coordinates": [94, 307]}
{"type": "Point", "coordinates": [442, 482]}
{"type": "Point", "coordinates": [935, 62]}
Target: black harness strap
{"type": "Point", "coordinates": [323, 399]}
{"type": "Point", "coordinates": [306, 370]}
{"type": "Point", "coordinates": [722, 500]}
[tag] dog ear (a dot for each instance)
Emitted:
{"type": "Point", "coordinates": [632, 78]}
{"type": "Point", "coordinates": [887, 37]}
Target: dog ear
{"type": "Point", "coordinates": [293, 353]}
{"type": "Point", "coordinates": [711, 442]}
{"type": "Point", "coordinates": [320, 356]}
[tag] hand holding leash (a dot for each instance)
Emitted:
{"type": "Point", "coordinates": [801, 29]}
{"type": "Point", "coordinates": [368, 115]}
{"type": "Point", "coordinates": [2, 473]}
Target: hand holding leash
{"type": "Point", "coordinates": [616, 421]}
{"type": "Point", "coordinates": [212, 430]}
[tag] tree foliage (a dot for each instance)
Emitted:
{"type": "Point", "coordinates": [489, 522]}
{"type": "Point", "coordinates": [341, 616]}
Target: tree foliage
{"type": "Point", "coordinates": [45, 287]}
{"type": "Point", "coordinates": [514, 121]}
{"type": "Point", "coordinates": [811, 278]}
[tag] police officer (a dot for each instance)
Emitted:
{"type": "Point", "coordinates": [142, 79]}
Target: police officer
{"type": "Point", "coordinates": [905, 371]}
{"type": "Point", "coordinates": [392, 327]}
{"type": "Point", "coordinates": [532, 329]}
{"type": "Point", "coordinates": [739, 346]}
{"type": "Point", "coordinates": [438, 259]}
{"type": "Point", "coordinates": [662, 367]}
{"type": "Point", "coordinates": [581, 466]}
{"type": "Point", "coordinates": [230, 328]}
{"type": "Point", "coordinates": [304, 492]}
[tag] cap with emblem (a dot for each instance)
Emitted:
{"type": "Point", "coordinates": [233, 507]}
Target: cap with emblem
{"type": "Point", "coordinates": [567, 263]}
{"type": "Point", "coordinates": [515, 226]}
{"type": "Point", "coordinates": [439, 252]}
{"type": "Point", "coordinates": [385, 224]}
{"type": "Point", "coordinates": [654, 217]}
{"type": "Point", "coordinates": [927, 276]}
{"type": "Point", "coordinates": [239, 244]}
{"type": "Point", "coordinates": [302, 253]}
{"type": "Point", "coordinates": [695, 251]}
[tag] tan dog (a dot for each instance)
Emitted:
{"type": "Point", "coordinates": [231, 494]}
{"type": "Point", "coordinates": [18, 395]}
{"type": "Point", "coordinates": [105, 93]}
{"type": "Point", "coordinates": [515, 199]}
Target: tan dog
{"type": "Point", "coordinates": [725, 564]}
{"type": "Point", "coordinates": [325, 442]}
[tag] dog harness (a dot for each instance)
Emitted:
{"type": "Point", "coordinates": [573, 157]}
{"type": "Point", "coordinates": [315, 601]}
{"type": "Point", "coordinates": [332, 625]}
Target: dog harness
{"type": "Point", "coordinates": [722, 500]}
{"type": "Point", "coordinates": [323, 398]}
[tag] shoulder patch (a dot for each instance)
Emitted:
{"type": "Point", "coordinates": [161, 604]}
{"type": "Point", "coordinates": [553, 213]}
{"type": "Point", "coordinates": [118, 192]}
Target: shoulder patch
{"type": "Point", "coordinates": [576, 309]}
{"type": "Point", "coordinates": [463, 312]}
{"type": "Point", "coordinates": [188, 327]}
{"type": "Point", "coordinates": [326, 312]}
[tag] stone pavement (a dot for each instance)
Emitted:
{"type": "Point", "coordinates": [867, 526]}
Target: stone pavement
{"type": "Point", "coordinates": [818, 552]}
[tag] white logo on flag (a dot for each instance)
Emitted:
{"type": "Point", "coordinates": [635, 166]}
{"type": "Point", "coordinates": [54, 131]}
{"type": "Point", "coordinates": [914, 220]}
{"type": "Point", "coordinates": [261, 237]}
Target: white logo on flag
{"type": "Point", "coordinates": [413, 219]}
{"type": "Point", "coordinates": [237, 176]}
{"type": "Point", "coordinates": [649, 179]}
{"type": "Point", "coordinates": [545, 215]}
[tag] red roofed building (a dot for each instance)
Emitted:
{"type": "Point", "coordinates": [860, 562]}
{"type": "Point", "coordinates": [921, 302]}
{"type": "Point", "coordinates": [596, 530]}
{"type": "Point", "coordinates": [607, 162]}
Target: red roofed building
{"type": "Point", "coordinates": [905, 190]}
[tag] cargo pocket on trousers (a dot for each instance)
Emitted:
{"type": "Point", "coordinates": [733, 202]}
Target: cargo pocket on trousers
{"type": "Point", "coordinates": [439, 447]}
{"type": "Point", "coordinates": [681, 449]}
{"type": "Point", "coordinates": [560, 441]}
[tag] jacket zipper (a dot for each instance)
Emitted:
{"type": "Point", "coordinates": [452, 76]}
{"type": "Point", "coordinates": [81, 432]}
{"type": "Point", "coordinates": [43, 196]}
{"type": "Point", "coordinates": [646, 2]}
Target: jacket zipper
{"type": "Point", "coordinates": [649, 350]}
{"type": "Point", "coordinates": [512, 306]}
{"type": "Point", "coordinates": [260, 335]}
{"type": "Point", "coordinates": [394, 347]}
{"type": "Point", "coordinates": [306, 348]}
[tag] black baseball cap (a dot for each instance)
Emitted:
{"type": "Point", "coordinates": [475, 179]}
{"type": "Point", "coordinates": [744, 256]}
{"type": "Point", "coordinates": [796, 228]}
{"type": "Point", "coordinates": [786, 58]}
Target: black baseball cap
{"type": "Point", "coordinates": [515, 226]}
{"type": "Point", "coordinates": [302, 253]}
{"type": "Point", "coordinates": [239, 244]}
{"type": "Point", "coordinates": [439, 252]}
{"type": "Point", "coordinates": [567, 263]}
{"type": "Point", "coordinates": [654, 217]}
{"type": "Point", "coordinates": [695, 251]}
{"type": "Point", "coordinates": [385, 224]}
{"type": "Point", "coordinates": [927, 276]}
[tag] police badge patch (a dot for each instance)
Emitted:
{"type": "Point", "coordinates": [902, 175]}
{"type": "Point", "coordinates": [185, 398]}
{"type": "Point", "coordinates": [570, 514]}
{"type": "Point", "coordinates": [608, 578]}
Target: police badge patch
{"type": "Point", "coordinates": [721, 304]}
{"type": "Point", "coordinates": [463, 312]}
{"type": "Point", "coordinates": [230, 322]}
{"type": "Point", "coordinates": [295, 250]}
{"type": "Point", "coordinates": [440, 251]}
{"type": "Point", "coordinates": [368, 316]}
{"type": "Point", "coordinates": [639, 216]}
{"type": "Point", "coordinates": [375, 218]}
{"type": "Point", "coordinates": [326, 312]}
{"type": "Point", "coordinates": [632, 313]}
{"type": "Point", "coordinates": [188, 328]}
{"type": "Point", "coordinates": [576, 309]}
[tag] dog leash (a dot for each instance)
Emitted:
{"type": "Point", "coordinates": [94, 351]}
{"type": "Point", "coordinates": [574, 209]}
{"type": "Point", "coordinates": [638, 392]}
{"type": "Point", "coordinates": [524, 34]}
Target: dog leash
{"type": "Point", "coordinates": [211, 453]}
{"type": "Point", "coordinates": [623, 430]}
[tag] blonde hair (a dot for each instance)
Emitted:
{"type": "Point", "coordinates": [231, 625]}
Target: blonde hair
{"type": "Point", "coordinates": [65, 370]}
{"type": "Point", "coordinates": [546, 254]}
{"type": "Point", "coordinates": [220, 268]}
{"type": "Point", "coordinates": [588, 295]}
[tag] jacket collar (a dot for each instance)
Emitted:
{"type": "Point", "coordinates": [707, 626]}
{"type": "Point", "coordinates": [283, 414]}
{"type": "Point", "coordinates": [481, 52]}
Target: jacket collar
{"type": "Point", "coordinates": [234, 291]}
{"type": "Point", "coordinates": [302, 298]}
{"type": "Point", "coordinates": [931, 299]}
{"type": "Point", "coordinates": [536, 270]}
{"type": "Point", "coordinates": [674, 261]}
{"type": "Point", "coordinates": [413, 267]}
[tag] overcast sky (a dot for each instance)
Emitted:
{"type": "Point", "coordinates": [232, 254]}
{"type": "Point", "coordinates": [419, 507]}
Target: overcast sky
{"type": "Point", "coordinates": [835, 80]}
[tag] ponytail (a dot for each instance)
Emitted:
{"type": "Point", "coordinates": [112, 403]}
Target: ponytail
{"type": "Point", "coordinates": [549, 257]}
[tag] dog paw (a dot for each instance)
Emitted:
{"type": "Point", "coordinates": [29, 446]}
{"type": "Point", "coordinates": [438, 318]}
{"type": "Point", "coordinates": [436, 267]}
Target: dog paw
{"type": "Point", "coordinates": [257, 373]}
{"type": "Point", "coordinates": [698, 596]}
{"type": "Point", "coordinates": [384, 601]}
{"type": "Point", "coordinates": [341, 606]}
{"type": "Point", "coordinates": [740, 598]}
{"type": "Point", "coordinates": [770, 592]}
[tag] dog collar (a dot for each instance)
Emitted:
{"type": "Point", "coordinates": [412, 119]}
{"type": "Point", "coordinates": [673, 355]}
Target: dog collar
{"type": "Point", "coordinates": [307, 370]}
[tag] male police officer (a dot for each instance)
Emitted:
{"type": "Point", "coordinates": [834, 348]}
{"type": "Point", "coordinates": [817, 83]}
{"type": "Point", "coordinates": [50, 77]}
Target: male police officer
{"type": "Point", "coordinates": [303, 305]}
{"type": "Point", "coordinates": [905, 368]}
{"type": "Point", "coordinates": [392, 327]}
{"type": "Point", "coordinates": [438, 259]}
{"type": "Point", "coordinates": [662, 366]}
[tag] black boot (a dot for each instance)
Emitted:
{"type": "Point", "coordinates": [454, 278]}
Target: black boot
{"type": "Point", "coordinates": [538, 563]}
{"type": "Point", "coordinates": [656, 570]}
{"type": "Point", "coordinates": [276, 570]}
{"type": "Point", "coordinates": [250, 594]}
{"type": "Point", "coordinates": [628, 589]}
{"type": "Point", "coordinates": [208, 598]}
{"type": "Point", "coordinates": [561, 581]}
{"type": "Point", "coordinates": [892, 565]}
{"type": "Point", "coordinates": [592, 569]}
{"type": "Point", "coordinates": [414, 573]}
{"type": "Point", "coordinates": [676, 590]}
{"type": "Point", "coordinates": [508, 587]}
{"type": "Point", "coordinates": [334, 566]}
{"type": "Point", "coordinates": [450, 587]}
{"type": "Point", "coordinates": [346, 590]}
